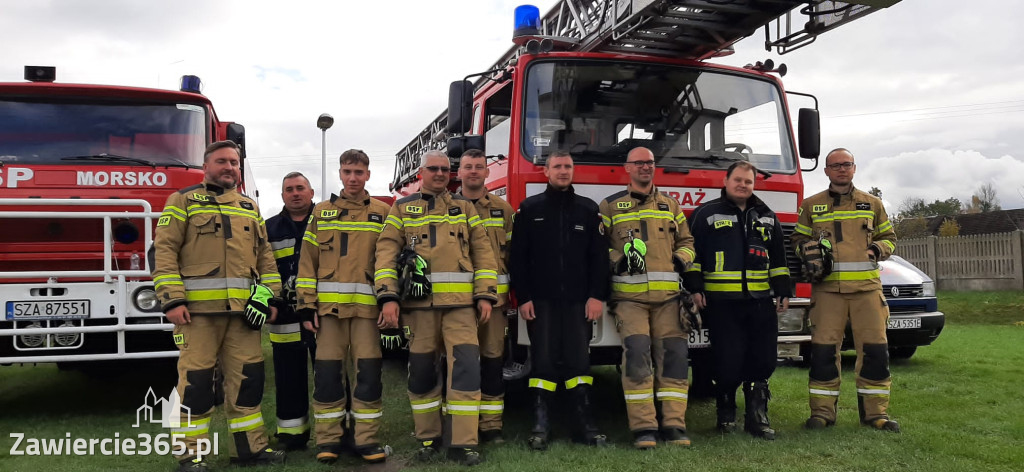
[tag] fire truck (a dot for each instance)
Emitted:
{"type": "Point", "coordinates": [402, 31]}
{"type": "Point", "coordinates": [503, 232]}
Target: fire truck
{"type": "Point", "coordinates": [84, 174]}
{"type": "Point", "coordinates": [598, 78]}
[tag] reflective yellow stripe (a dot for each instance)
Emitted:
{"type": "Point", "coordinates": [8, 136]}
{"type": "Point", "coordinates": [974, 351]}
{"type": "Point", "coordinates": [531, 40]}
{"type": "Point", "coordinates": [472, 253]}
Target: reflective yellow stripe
{"type": "Point", "coordinates": [543, 384]}
{"type": "Point", "coordinates": [583, 379]}
{"type": "Point", "coordinates": [354, 298]}
{"type": "Point", "coordinates": [367, 416]}
{"type": "Point", "coordinates": [385, 274]}
{"type": "Point", "coordinates": [282, 253]}
{"type": "Point", "coordinates": [672, 394]}
{"type": "Point", "coordinates": [310, 238]}
{"type": "Point", "coordinates": [842, 215]}
{"type": "Point", "coordinates": [645, 287]}
{"type": "Point", "coordinates": [778, 271]}
{"type": "Point", "coordinates": [175, 212]}
{"type": "Point", "coordinates": [245, 423]}
{"type": "Point", "coordinates": [681, 218]}
{"type": "Point", "coordinates": [687, 251]}
{"type": "Point", "coordinates": [719, 261]}
{"type": "Point", "coordinates": [217, 294]}
{"type": "Point", "coordinates": [425, 406]}
{"type": "Point", "coordinates": [452, 287]}
{"type": "Point", "coordinates": [492, 407]}
{"type": "Point", "coordinates": [736, 287]}
{"type": "Point", "coordinates": [285, 338]}
{"type": "Point", "coordinates": [270, 277]}
{"type": "Point", "coordinates": [394, 221]}
{"type": "Point", "coordinates": [329, 415]}
{"type": "Point", "coordinates": [196, 427]}
{"type": "Point", "coordinates": [855, 275]}
{"type": "Point", "coordinates": [892, 247]}
{"type": "Point", "coordinates": [804, 230]}
{"type": "Point", "coordinates": [885, 226]}
{"type": "Point", "coordinates": [485, 274]}
{"type": "Point", "coordinates": [335, 225]}
{"type": "Point", "coordinates": [305, 283]}
{"type": "Point", "coordinates": [425, 220]}
{"type": "Point", "coordinates": [607, 221]}
{"type": "Point", "coordinates": [639, 396]}
{"type": "Point", "coordinates": [169, 279]}
{"type": "Point", "coordinates": [468, 408]}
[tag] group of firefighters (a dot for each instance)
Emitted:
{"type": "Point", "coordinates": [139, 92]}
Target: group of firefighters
{"type": "Point", "coordinates": [442, 266]}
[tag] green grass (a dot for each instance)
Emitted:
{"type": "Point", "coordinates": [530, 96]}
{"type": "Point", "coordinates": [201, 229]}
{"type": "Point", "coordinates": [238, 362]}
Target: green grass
{"type": "Point", "coordinates": [1000, 308]}
{"type": "Point", "coordinates": [959, 402]}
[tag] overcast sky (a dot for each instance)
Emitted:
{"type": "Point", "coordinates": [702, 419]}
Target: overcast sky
{"type": "Point", "coordinates": [928, 94]}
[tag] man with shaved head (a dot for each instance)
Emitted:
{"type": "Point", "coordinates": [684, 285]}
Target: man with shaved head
{"type": "Point", "coordinates": [651, 249]}
{"type": "Point", "coordinates": [841, 234]}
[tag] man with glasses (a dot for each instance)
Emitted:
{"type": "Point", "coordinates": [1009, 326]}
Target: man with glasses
{"type": "Point", "coordinates": [561, 282]}
{"type": "Point", "coordinates": [651, 248]}
{"type": "Point", "coordinates": [434, 258]}
{"type": "Point", "coordinates": [851, 225]}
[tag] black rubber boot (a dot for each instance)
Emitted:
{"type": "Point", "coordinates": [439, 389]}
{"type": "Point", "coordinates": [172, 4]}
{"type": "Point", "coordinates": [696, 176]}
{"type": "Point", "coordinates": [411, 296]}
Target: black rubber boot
{"type": "Point", "coordinates": [756, 395]}
{"type": "Point", "coordinates": [538, 439]}
{"type": "Point", "coordinates": [725, 404]}
{"type": "Point", "coordinates": [586, 430]}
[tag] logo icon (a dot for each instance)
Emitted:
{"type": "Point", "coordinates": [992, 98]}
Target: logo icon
{"type": "Point", "coordinates": [167, 412]}
{"type": "Point", "coordinates": [895, 291]}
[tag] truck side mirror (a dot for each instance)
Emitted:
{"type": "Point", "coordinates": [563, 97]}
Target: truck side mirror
{"type": "Point", "coordinates": [459, 145]}
{"type": "Point", "coordinates": [809, 133]}
{"type": "Point", "coordinates": [460, 107]}
{"type": "Point", "coordinates": [236, 133]}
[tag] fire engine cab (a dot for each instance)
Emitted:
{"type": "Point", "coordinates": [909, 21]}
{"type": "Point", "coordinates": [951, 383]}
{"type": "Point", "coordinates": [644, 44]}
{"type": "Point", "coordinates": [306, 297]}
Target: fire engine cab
{"type": "Point", "coordinates": [600, 77]}
{"type": "Point", "coordinates": [84, 174]}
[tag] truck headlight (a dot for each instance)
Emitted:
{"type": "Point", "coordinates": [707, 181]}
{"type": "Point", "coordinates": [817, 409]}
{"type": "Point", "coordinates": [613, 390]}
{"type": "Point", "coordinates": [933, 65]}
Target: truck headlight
{"type": "Point", "coordinates": [792, 320]}
{"type": "Point", "coordinates": [928, 289]}
{"type": "Point", "coordinates": [145, 300]}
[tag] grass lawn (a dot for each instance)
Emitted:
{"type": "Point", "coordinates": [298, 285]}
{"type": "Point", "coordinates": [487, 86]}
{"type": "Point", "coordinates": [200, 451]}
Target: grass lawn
{"type": "Point", "coordinates": [959, 402]}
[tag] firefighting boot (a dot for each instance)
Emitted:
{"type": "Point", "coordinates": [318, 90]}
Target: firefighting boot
{"type": "Point", "coordinates": [192, 464]}
{"type": "Point", "coordinates": [428, 450]}
{"type": "Point", "coordinates": [267, 456]}
{"type": "Point", "coordinates": [725, 404]}
{"type": "Point", "coordinates": [756, 396]}
{"type": "Point", "coordinates": [884, 424]}
{"type": "Point", "coordinates": [586, 431]}
{"type": "Point", "coordinates": [468, 456]}
{"type": "Point", "coordinates": [538, 439]}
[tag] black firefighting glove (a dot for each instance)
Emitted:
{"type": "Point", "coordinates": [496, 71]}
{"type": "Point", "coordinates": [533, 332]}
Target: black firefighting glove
{"type": "Point", "coordinates": [288, 292]}
{"type": "Point", "coordinates": [757, 257]}
{"type": "Point", "coordinates": [817, 257]}
{"type": "Point", "coordinates": [257, 308]}
{"type": "Point", "coordinates": [306, 314]}
{"type": "Point", "coordinates": [689, 315]}
{"type": "Point", "coordinates": [634, 251]}
{"type": "Point", "coordinates": [413, 283]}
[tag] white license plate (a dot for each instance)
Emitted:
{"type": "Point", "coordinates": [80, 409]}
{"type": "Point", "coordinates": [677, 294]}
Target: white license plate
{"type": "Point", "coordinates": [48, 310]}
{"type": "Point", "coordinates": [699, 338]}
{"type": "Point", "coordinates": [904, 323]}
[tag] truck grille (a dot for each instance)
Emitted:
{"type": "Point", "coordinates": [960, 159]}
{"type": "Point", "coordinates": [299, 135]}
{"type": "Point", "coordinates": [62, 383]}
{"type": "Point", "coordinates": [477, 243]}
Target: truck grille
{"type": "Point", "coordinates": [796, 270]}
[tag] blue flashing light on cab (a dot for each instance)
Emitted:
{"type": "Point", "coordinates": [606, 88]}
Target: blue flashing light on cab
{"type": "Point", "coordinates": [527, 21]}
{"type": "Point", "coordinates": [191, 83]}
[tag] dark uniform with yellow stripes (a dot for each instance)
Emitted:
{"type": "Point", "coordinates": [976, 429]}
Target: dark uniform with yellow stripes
{"type": "Point", "coordinates": [856, 225]}
{"type": "Point", "coordinates": [210, 247]}
{"type": "Point", "coordinates": [741, 256]}
{"type": "Point", "coordinates": [289, 341]}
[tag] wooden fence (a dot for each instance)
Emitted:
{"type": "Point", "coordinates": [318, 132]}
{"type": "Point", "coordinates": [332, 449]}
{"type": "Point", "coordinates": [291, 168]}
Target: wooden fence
{"type": "Point", "coordinates": [981, 262]}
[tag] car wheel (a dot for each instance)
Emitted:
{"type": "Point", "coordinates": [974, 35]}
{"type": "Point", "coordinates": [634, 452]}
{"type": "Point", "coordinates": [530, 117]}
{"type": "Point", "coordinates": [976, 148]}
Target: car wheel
{"type": "Point", "coordinates": [902, 352]}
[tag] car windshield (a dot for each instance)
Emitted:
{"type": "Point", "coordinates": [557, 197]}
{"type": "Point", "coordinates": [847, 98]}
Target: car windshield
{"type": "Point", "coordinates": [689, 117]}
{"type": "Point", "coordinates": [57, 132]}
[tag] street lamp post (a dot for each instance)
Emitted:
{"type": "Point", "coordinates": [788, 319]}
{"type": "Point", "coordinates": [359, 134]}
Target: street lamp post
{"type": "Point", "coordinates": [324, 122]}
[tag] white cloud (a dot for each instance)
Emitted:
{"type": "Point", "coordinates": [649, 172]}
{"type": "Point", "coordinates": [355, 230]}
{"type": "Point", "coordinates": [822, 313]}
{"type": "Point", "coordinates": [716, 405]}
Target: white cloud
{"type": "Point", "coordinates": [937, 78]}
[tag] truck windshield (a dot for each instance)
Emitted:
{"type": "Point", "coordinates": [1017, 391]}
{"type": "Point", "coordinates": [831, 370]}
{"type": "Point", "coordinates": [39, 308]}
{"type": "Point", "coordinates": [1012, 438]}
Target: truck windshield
{"type": "Point", "coordinates": [52, 132]}
{"type": "Point", "coordinates": [689, 117]}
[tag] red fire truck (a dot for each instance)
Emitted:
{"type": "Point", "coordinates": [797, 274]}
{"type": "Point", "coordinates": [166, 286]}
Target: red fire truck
{"type": "Point", "coordinates": [84, 173]}
{"type": "Point", "coordinates": [600, 77]}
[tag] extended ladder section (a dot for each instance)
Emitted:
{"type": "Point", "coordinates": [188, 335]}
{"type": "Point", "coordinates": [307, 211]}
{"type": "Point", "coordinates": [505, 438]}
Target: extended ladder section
{"type": "Point", "coordinates": [682, 29]}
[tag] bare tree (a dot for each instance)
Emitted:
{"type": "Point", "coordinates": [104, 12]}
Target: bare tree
{"type": "Point", "coordinates": [984, 199]}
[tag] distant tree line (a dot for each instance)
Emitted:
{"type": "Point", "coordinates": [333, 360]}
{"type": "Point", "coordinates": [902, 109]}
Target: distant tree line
{"type": "Point", "coordinates": [911, 220]}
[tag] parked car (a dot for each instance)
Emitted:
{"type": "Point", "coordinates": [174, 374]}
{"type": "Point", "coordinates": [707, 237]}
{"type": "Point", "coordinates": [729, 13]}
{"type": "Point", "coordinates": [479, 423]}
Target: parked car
{"type": "Point", "coordinates": [914, 316]}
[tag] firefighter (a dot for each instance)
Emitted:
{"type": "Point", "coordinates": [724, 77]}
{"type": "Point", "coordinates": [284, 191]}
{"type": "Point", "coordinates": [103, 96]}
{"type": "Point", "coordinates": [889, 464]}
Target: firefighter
{"type": "Point", "coordinates": [841, 234]}
{"type": "Point", "coordinates": [650, 247]}
{"type": "Point", "coordinates": [560, 280]}
{"type": "Point", "coordinates": [741, 259]}
{"type": "Point", "coordinates": [289, 341]}
{"type": "Point", "coordinates": [210, 244]}
{"type": "Point", "coordinates": [433, 256]}
{"type": "Point", "coordinates": [336, 301]}
{"type": "Point", "coordinates": [496, 215]}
